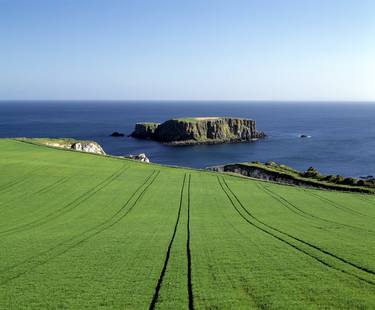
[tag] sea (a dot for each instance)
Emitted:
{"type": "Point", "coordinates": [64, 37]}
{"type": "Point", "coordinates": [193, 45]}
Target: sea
{"type": "Point", "coordinates": [340, 135]}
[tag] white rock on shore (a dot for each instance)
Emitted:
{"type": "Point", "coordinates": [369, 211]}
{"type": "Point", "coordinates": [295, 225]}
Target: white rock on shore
{"type": "Point", "coordinates": [89, 147]}
{"type": "Point", "coordinates": [140, 157]}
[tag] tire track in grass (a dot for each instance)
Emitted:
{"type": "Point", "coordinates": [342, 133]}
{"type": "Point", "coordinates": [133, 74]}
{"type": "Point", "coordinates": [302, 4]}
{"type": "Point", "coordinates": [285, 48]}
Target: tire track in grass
{"type": "Point", "coordinates": [44, 189]}
{"type": "Point", "coordinates": [16, 182]}
{"type": "Point", "coordinates": [52, 186]}
{"type": "Point", "coordinates": [188, 251]}
{"type": "Point", "coordinates": [298, 239]}
{"type": "Point", "coordinates": [335, 204]}
{"type": "Point", "coordinates": [367, 199]}
{"type": "Point", "coordinates": [92, 232]}
{"type": "Point", "coordinates": [307, 215]}
{"type": "Point", "coordinates": [291, 208]}
{"type": "Point", "coordinates": [84, 232]}
{"type": "Point", "coordinates": [11, 184]}
{"type": "Point", "coordinates": [166, 260]}
{"type": "Point", "coordinates": [270, 233]}
{"type": "Point", "coordinates": [66, 208]}
{"type": "Point", "coordinates": [288, 204]}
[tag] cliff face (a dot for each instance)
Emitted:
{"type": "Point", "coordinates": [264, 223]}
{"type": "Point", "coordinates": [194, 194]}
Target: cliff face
{"type": "Point", "coordinates": [145, 130]}
{"type": "Point", "coordinates": [287, 176]}
{"type": "Point", "coordinates": [199, 130]}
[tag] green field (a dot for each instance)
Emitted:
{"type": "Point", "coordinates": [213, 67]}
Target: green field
{"type": "Point", "coordinates": [83, 231]}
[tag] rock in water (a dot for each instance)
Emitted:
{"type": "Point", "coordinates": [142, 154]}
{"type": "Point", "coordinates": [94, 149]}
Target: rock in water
{"type": "Point", "coordinates": [117, 134]}
{"type": "Point", "coordinates": [199, 130]}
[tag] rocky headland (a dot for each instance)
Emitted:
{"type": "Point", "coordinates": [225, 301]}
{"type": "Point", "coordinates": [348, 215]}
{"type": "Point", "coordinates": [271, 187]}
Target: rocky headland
{"type": "Point", "coordinates": [199, 130]}
{"type": "Point", "coordinates": [68, 143]}
{"type": "Point", "coordinates": [80, 145]}
{"type": "Point", "coordinates": [310, 178]}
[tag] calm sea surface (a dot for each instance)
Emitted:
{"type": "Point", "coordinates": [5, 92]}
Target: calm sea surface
{"type": "Point", "coordinates": [342, 135]}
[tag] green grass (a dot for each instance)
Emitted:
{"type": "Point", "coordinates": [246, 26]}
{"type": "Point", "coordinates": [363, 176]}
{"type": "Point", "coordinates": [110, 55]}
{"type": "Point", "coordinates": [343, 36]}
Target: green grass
{"type": "Point", "coordinates": [83, 231]}
{"type": "Point", "coordinates": [61, 141]}
{"type": "Point", "coordinates": [197, 119]}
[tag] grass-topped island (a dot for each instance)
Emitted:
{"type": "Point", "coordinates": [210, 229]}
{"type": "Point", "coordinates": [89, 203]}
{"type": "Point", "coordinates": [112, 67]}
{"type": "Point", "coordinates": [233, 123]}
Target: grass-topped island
{"type": "Point", "coordinates": [199, 130]}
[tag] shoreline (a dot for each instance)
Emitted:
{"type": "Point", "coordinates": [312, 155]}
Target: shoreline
{"type": "Point", "coordinates": [268, 172]}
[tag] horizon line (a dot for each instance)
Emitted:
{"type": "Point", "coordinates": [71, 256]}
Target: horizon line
{"type": "Point", "coordinates": [197, 100]}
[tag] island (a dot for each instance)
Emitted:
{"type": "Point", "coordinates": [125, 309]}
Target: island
{"type": "Point", "coordinates": [199, 130]}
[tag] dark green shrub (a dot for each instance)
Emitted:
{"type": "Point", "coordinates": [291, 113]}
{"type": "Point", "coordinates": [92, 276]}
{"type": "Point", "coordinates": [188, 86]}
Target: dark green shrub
{"type": "Point", "coordinates": [311, 173]}
{"type": "Point", "coordinates": [349, 181]}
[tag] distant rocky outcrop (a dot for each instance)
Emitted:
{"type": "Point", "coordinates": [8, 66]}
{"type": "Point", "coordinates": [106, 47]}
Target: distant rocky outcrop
{"type": "Point", "coordinates": [88, 146]}
{"type": "Point", "coordinates": [145, 130]}
{"type": "Point", "coordinates": [274, 172]}
{"type": "Point", "coordinates": [67, 143]}
{"type": "Point", "coordinates": [117, 134]}
{"type": "Point", "coordinates": [199, 130]}
{"type": "Point", "coordinates": [140, 157]}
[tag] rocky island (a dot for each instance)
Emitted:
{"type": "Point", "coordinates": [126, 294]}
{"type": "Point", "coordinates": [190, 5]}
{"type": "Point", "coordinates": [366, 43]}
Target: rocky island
{"type": "Point", "coordinates": [199, 130]}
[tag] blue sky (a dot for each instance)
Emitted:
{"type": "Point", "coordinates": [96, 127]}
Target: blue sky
{"type": "Point", "coordinates": [189, 50]}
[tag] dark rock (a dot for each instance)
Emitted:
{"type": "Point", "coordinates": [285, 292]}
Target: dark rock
{"type": "Point", "coordinates": [205, 130]}
{"type": "Point", "coordinates": [117, 134]}
{"type": "Point", "coordinates": [304, 136]}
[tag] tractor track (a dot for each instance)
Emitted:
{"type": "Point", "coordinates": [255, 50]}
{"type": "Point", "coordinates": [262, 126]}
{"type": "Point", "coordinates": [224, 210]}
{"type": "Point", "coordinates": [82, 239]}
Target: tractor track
{"type": "Point", "coordinates": [92, 232]}
{"type": "Point", "coordinates": [16, 182]}
{"type": "Point", "coordinates": [44, 189]}
{"type": "Point", "coordinates": [308, 215]}
{"type": "Point", "coordinates": [335, 205]}
{"type": "Point", "coordinates": [67, 208]}
{"type": "Point", "coordinates": [166, 260]}
{"type": "Point", "coordinates": [188, 251]}
{"type": "Point", "coordinates": [52, 186]}
{"type": "Point", "coordinates": [270, 233]}
{"type": "Point", "coordinates": [300, 240]}
{"type": "Point", "coordinates": [286, 205]}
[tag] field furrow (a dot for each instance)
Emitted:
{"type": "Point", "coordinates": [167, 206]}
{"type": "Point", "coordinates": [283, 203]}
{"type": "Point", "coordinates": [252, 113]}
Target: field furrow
{"type": "Point", "coordinates": [287, 203]}
{"type": "Point", "coordinates": [168, 252]}
{"type": "Point", "coordinates": [66, 208]}
{"type": "Point", "coordinates": [62, 247]}
{"type": "Point", "coordinates": [268, 227]}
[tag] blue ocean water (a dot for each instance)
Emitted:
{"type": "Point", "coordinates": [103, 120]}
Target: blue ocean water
{"type": "Point", "coordinates": [342, 134]}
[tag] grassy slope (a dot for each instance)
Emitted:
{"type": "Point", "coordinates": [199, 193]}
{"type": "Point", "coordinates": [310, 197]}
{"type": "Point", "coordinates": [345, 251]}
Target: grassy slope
{"type": "Point", "coordinates": [84, 231]}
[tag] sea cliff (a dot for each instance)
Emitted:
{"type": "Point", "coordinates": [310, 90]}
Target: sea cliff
{"type": "Point", "coordinates": [199, 130]}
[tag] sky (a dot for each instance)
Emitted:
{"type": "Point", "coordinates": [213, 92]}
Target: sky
{"type": "Point", "coordinates": [187, 50]}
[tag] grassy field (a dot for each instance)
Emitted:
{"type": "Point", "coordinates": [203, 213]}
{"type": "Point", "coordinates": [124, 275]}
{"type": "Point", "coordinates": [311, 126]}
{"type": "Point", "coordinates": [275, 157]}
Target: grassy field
{"type": "Point", "coordinates": [82, 231]}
